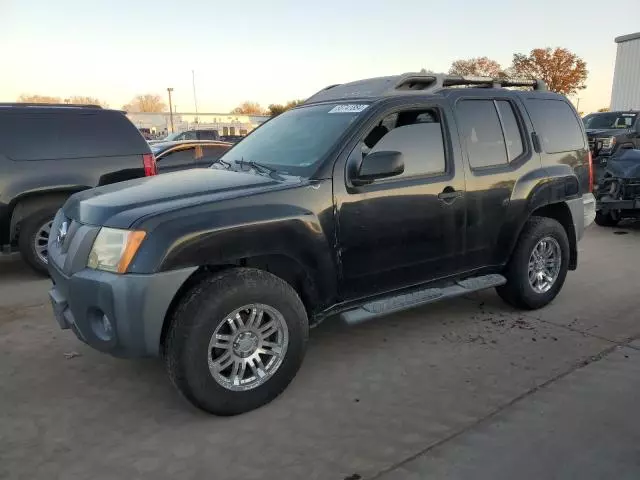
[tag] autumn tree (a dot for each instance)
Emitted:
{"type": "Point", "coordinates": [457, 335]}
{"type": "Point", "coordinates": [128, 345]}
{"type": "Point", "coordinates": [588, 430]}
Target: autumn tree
{"type": "Point", "coordinates": [479, 67]}
{"type": "Point", "coordinates": [82, 100]}
{"type": "Point", "coordinates": [563, 71]}
{"type": "Point", "coordinates": [38, 99]}
{"type": "Point", "coordinates": [147, 103]}
{"type": "Point", "coordinates": [248, 108]}
{"type": "Point", "coordinates": [277, 109]}
{"type": "Point", "coordinates": [603, 109]}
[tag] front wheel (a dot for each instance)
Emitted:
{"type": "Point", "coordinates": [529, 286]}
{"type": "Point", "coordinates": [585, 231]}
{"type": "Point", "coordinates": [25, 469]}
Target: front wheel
{"type": "Point", "coordinates": [236, 340]}
{"type": "Point", "coordinates": [538, 266]}
{"type": "Point", "coordinates": [609, 219]}
{"type": "Point", "coordinates": [34, 239]}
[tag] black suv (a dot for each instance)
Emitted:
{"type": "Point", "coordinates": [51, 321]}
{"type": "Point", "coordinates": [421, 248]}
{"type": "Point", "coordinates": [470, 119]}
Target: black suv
{"type": "Point", "coordinates": [371, 197]}
{"type": "Point", "coordinates": [610, 133]}
{"type": "Point", "coordinates": [49, 152]}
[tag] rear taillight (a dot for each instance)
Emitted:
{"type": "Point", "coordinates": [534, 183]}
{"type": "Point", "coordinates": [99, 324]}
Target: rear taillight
{"type": "Point", "coordinates": [590, 172]}
{"type": "Point", "coordinates": [150, 166]}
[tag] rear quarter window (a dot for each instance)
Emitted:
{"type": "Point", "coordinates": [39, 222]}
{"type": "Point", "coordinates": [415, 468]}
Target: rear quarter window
{"type": "Point", "coordinates": [557, 125]}
{"type": "Point", "coordinates": [29, 136]}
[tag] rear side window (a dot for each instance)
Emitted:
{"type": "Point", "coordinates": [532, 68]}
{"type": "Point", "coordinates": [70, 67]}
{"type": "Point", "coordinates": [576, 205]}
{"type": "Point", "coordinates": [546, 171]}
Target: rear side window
{"type": "Point", "coordinates": [61, 134]}
{"type": "Point", "coordinates": [512, 135]}
{"type": "Point", "coordinates": [556, 124]}
{"type": "Point", "coordinates": [209, 135]}
{"type": "Point", "coordinates": [482, 133]}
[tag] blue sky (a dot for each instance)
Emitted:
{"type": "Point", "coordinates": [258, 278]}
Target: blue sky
{"type": "Point", "coordinates": [278, 50]}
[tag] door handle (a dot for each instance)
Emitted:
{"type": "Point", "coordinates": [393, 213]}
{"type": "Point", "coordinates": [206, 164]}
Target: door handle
{"type": "Point", "coordinates": [449, 194]}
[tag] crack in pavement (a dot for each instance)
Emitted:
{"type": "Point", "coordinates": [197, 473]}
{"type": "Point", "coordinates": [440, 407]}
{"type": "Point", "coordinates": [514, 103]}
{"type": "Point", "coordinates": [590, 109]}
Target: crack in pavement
{"type": "Point", "coordinates": [579, 365]}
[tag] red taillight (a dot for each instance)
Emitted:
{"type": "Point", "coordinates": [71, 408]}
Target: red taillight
{"type": "Point", "coordinates": [590, 172]}
{"type": "Point", "coordinates": [150, 166]}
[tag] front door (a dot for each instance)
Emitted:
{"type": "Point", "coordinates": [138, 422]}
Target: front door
{"type": "Point", "coordinates": [407, 229]}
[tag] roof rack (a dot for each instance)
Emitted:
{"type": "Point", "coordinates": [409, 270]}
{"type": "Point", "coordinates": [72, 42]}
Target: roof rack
{"type": "Point", "coordinates": [415, 82]}
{"type": "Point", "coordinates": [56, 105]}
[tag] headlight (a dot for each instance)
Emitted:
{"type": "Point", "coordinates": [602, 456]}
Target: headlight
{"type": "Point", "coordinates": [113, 249]}
{"type": "Point", "coordinates": [609, 143]}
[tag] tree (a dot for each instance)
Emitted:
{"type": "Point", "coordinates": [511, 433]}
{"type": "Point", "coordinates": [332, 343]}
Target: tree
{"type": "Point", "coordinates": [249, 108]}
{"type": "Point", "coordinates": [82, 100]}
{"type": "Point", "coordinates": [38, 99]}
{"type": "Point", "coordinates": [563, 71]}
{"type": "Point", "coordinates": [277, 109]}
{"type": "Point", "coordinates": [603, 109]}
{"type": "Point", "coordinates": [479, 67]}
{"type": "Point", "coordinates": [147, 103]}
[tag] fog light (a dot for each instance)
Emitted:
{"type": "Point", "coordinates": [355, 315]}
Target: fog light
{"type": "Point", "coordinates": [101, 325]}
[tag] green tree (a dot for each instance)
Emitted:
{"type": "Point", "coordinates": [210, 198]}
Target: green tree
{"type": "Point", "coordinates": [563, 71]}
{"type": "Point", "coordinates": [277, 109]}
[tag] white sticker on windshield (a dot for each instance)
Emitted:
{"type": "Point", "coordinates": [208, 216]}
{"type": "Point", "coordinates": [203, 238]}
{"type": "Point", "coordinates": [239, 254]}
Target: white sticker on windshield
{"type": "Point", "coordinates": [348, 108]}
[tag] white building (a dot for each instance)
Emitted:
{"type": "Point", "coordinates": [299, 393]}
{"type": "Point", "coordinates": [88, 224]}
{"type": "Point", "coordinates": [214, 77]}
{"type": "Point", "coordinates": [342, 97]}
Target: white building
{"type": "Point", "coordinates": [224, 123]}
{"type": "Point", "coordinates": [625, 94]}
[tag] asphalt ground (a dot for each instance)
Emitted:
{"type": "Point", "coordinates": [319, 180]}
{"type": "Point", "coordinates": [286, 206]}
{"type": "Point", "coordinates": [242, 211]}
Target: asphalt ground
{"type": "Point", "coordinates": [464, 389]}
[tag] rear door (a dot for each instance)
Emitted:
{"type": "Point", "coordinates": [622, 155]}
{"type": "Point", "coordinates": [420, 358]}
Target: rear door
{"type": "Point", "coordinates": [494, 137]}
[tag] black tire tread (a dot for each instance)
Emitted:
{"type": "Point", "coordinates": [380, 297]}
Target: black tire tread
{"type": "Point", "coordinates": [184, 318]}
{"type": "Point", "coordinates": [514, 292]}
{"type": "Point", "coordinates": [28, 228]}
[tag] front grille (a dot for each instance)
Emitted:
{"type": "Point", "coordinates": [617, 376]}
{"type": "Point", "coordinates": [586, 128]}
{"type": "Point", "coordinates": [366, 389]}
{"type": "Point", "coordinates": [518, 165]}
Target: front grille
{"type": "Point", "coordinates": [592, 143]}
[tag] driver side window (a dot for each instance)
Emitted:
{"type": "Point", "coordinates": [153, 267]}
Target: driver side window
{"type": "Point", "coordinates": [417, 134]}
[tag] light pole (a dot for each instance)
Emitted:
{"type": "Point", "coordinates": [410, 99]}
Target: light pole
{"type": "Point", "coordinates": [169, 90]}
{"type": "Point", "coordinates": [195, 99]}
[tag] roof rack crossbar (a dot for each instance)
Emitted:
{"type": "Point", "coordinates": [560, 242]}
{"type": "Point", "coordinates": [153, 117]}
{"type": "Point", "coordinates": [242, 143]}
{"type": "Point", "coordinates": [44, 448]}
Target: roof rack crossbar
{"type": "Point", "coordinates": [422, 82]}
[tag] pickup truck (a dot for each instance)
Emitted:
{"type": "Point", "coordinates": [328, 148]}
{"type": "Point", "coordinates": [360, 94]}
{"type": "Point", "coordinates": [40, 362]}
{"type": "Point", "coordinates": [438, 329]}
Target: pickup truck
{"type": "Point", "coordinates": [371, 197]}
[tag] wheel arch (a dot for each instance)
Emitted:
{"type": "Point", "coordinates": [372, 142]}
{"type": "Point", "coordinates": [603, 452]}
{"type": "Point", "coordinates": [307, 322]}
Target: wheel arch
{"type": "Point", "coordinates": [561, 212]}
{"type": "Point", "coordinates": [29, 203]}
{"type": "Point", "coordinates": [280, 265]}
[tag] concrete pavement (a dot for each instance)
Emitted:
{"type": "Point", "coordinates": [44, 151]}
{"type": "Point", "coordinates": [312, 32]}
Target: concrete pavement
{"type": "Point", "coordinates": [416, 394]}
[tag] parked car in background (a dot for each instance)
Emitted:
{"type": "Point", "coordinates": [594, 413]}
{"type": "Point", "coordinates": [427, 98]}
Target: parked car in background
{"type": "Point", "coordinates": [618, 190]}
{"type": "Point", "coordinates": [49, 152]}
{"type": "Point", "coordinates": [349, 205]}
{"type": "Point", "coordinates": [609, 133]}
{"type": "Point", "coordinates": [232, 138]}
{"type": "Point", "coordinates": [198, 134]}
{"type": "Point", "coordinates": [173, 156]}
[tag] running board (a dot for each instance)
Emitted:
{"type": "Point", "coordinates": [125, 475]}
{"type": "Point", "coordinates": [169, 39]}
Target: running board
{"type": "Point", "coordinates": [397, 303]}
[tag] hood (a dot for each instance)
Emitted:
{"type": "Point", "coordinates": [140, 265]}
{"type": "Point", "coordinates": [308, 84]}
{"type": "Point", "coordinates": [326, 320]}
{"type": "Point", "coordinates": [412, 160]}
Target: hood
{"type": "Point", "coordinates": [605, 132]}
{"type": "Point", "coordinates": [120, 204]}
{"type": "Point", "coordinates": [626, 165]}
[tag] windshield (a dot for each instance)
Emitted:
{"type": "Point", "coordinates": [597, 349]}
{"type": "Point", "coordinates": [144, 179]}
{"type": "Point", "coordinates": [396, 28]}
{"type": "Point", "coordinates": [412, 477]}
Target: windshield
{"type": "Point", "coordinates": [609, 120]}
{"type": "Point", "coordinates": [297, 140]}
{"type": "Point", "coordinates": [172, 137]}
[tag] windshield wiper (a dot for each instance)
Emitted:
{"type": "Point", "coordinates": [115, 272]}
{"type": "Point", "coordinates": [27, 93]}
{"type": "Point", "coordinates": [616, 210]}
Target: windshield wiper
{"type": "Point", "coordinates": [226, 164]}
{"type": "Point", "coordinates": [256, 166]}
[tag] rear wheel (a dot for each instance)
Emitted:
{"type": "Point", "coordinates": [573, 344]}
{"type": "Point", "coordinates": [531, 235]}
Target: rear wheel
{"type": "Point", "coordinates": [538, 266]}
{"type": "Point", "coordinates": [236, 340]}
{"type": "Point", "coordinates": [609, 219]}
{"type": "Point", "coordinates": [34, 238]}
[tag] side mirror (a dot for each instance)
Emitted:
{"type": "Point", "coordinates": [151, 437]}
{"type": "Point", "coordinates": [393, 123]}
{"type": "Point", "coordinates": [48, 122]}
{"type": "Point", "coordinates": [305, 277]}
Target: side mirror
{"type": "Point", "coordinates": [377, 165]}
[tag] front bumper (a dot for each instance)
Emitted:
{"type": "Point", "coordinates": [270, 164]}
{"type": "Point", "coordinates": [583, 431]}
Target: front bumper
{"type": "Point", "coordinates": [589, 204]}
{"type": "Point", "coordinates": [608, 204]}
{"type": "Point", "coordinates": [118, 314]}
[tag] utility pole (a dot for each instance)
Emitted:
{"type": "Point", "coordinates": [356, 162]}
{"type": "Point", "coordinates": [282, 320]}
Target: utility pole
{"type": "Point", "coordinates": [169, 90]}
{"type": "Point", "coordinates": [195, 99]}
{"type": "Point", "coordinates": [578, 104]}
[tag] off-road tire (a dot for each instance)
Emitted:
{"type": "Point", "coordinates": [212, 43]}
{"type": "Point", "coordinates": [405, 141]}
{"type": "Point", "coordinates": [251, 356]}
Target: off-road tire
{"type": "Point", "coordinates": [606, 219]}
{"type": "Point", "coordinates": [195, 320]}
{"type": "Point", "coordinates": [26, 238]}
{"type": "Point", "coordinates": [518, 291]}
